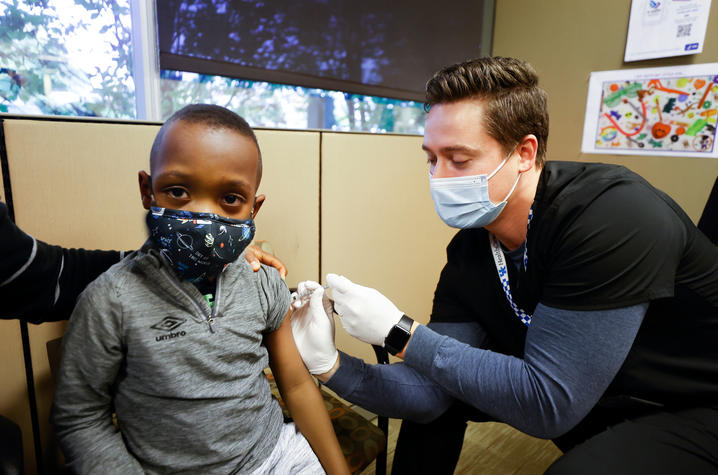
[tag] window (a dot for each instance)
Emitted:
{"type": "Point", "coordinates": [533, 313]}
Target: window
{"type": "Point", "coordinates": [337, 65]}
{"type": "Point", "coordinates": [66, 57]}
{"type": "Point", "coordinates": [266, 104]}
{"type": "Point", "coordinates": [371, 47]}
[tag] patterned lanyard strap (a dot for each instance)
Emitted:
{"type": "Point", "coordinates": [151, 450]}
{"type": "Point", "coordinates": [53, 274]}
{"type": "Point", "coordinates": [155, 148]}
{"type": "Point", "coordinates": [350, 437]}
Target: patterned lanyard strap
{"type": "Point", "coordinates": [500, 261]}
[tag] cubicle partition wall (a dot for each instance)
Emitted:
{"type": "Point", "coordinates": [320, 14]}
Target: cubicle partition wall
{"type": "Point", "coordinates": [355, 204]}
{"type": "Point", "coordinates": [289, 217]}
{"type": "Point", "coordinates": [379, 227]}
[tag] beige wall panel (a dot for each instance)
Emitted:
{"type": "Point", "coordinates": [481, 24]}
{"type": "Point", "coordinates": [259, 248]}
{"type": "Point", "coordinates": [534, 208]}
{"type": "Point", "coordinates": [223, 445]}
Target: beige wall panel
{"type": "Point", "coordinates": [75, 184]}
{"type": "Point", "coordinates": [565, 40]}
{"type": "Point", "coordinates": [14, 402]}
{"type": "Point", "coordinates": [289, 218]}
{"type": "Point", "coordinates": [379, 227]}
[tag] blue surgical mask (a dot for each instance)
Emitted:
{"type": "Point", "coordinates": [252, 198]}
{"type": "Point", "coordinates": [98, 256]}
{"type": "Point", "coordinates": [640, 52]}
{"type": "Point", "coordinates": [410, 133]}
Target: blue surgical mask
{"type": "Point", "coordinates": [463, 202]}
{"type": "Point", "coordinates": [198, 245]}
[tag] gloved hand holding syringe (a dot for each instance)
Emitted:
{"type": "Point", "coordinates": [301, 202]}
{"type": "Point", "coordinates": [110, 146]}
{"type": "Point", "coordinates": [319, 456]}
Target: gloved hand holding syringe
{"type": "Point", "coordinates": [304, 292]}
{"type": "Point", "coordinates": [364, 313]}
{"type": "Point", "coordinates": [312, 323]}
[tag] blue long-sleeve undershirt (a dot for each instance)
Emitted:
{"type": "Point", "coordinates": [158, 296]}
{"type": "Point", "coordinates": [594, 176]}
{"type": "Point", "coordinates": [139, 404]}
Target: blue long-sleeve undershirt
{"type": "Point", "coordinates": [570, 358]}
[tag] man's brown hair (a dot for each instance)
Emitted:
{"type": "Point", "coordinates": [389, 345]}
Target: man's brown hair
{"type": "Point", "coordinates": [514, 105]}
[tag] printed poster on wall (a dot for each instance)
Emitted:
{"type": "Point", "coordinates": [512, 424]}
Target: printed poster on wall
{"type": "Point", "coordinates": [662, 28]}
{"type": "Point", "coordinates": [654, 111]}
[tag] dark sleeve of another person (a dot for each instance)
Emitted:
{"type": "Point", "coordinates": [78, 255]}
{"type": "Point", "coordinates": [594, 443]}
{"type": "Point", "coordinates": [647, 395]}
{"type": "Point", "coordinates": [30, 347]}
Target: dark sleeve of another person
{"type": "Point", "coordinates": [39, 282]}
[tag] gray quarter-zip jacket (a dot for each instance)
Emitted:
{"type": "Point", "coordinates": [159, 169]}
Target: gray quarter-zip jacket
{"type": "Point", "coordinates": [185, 380]}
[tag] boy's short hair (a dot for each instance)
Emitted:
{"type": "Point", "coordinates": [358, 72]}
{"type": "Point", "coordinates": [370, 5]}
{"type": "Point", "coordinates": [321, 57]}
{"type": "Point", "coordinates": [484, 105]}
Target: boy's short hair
{"type": "Point", "coordinates": [212, 116]}
{"type": "Point", "coordinates": [514, 104]}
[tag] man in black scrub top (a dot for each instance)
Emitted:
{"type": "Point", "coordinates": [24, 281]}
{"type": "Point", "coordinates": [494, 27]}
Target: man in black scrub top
{"type": "Point", "coordinates": [578, 302]}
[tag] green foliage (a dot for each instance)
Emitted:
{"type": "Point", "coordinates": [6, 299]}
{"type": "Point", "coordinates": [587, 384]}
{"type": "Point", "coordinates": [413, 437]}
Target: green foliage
{"type": "Point", "coordinates": [33, 39]}
{"type": "Point", "coordinates": [278, 105]}
{"type": "Point", "coordinates": [41, 75]}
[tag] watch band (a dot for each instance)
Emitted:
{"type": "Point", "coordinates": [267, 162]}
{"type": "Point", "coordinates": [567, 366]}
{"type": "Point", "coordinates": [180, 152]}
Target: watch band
{"type": "Point", "coordinates": [399, 335]}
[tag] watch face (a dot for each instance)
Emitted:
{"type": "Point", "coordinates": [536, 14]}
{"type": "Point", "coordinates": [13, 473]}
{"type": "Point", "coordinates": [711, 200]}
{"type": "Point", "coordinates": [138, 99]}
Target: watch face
{"type": "Point", "coordinates": [399, 335]}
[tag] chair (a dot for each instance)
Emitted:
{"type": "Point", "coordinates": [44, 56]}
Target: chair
{"type": "Point", "coordinates": [382, 357]}
{"type": "Point", "coordinates": [709, 218]}
{"type": "Point", "coordinates": [360, 440]}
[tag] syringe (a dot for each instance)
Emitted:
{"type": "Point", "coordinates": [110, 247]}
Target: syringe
{"type": "Point", "coordinates": [303, 298]}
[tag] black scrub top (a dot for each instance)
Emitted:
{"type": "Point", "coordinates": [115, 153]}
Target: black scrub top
{"type": "Point", "coordinates": [602, 237]}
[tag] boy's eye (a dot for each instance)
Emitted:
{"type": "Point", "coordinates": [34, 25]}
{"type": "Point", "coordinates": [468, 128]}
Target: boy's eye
{"type": "Point", "coordinates": [176, 193]}
{"type": "Point", "coordinates": [232, 199]}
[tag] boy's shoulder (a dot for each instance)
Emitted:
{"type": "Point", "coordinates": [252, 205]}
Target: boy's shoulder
{"type": "Point", "coordinates": [270, 275]}
{"type": "Point", "coordinates": [241, 272]}
{"type": "Point", "coordinates": [118, 277]}
{"type": "Point", "coordinates": [266, 284]}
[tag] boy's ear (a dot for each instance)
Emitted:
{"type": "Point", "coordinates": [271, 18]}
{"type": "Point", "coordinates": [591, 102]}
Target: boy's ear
{"type": "Point", "coordinates": [258, 200]}
{"type": "Point", "coordinates": [145, 189]}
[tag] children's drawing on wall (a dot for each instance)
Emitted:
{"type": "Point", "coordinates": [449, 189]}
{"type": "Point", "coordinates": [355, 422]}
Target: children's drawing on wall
{"type": "Point", "coordinates": [654, 111]}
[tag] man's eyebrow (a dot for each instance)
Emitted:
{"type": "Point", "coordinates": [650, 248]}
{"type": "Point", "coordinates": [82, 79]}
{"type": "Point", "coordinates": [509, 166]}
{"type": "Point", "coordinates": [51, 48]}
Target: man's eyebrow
{"type": "Point", "coordinates": [454, 148]}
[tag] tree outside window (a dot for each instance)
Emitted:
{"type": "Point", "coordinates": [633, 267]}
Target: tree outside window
{"type": "Point", "coordinates": [74, 58]}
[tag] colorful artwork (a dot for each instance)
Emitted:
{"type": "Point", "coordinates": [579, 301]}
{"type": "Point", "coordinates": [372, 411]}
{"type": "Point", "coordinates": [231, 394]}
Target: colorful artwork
{"type": "Point", "coordinates": [668, 114]}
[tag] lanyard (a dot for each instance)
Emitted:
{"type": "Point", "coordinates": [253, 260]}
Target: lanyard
{"type": "Point", "coordinates": [500, 261]}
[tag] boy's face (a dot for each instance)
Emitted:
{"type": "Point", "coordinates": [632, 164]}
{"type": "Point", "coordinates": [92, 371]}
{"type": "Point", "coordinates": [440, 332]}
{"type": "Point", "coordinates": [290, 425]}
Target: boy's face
{"type": "Point", "coordinates": [204, 169]}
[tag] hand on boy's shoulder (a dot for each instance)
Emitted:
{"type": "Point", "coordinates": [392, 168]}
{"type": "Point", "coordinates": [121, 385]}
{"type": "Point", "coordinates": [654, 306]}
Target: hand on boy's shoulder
{"type": "Point", "coordinates": [260, 252]}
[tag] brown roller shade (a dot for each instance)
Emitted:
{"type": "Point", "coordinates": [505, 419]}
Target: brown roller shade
{"type": "Point", "coordinates": [380, 48]}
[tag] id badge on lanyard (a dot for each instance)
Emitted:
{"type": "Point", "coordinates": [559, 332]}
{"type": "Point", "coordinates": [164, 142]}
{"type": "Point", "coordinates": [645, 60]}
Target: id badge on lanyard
{"type": "Point", "coordinates": [500, 261]}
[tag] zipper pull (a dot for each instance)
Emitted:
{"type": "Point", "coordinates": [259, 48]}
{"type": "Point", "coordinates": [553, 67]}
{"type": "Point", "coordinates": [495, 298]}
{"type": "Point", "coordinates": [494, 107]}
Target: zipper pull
{"type": "Point", "coordinates": [210, 321]}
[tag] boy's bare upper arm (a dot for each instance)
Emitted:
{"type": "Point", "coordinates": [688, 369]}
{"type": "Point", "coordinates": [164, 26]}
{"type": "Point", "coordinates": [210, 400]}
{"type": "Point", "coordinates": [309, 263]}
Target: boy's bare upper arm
{"type": "Point", "coordinates": [284, 358]}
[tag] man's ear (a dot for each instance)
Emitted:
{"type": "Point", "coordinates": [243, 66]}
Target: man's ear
{"type": "Point", "coordinates": [258, 200]}
{"type": "Point", "coordinates": [145, 189]}
{"type": "Point", "coordinates": [527, 149]}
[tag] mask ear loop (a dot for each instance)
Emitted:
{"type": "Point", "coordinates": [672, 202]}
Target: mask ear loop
{"type": "Point", "coordinates": [517, 178]}
{"type": "Point", "coordinates": [513, 187]}
{"type": "Point", "coordinates": [503, 163]}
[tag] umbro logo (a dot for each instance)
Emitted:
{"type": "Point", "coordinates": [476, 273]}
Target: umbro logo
{"type": "Point", "coordinates": [168, 324]}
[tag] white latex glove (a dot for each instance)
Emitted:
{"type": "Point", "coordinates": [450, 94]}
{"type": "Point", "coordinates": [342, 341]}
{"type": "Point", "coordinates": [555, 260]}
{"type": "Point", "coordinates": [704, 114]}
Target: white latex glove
{"type": "Point", "coordinates": [313, 327]}
{"type": "Point", "coordinates": [364, 312]}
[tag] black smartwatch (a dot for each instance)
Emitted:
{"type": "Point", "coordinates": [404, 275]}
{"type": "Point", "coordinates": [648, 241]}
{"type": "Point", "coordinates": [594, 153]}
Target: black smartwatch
{"type": "Point", "coordinates": [399, 335]}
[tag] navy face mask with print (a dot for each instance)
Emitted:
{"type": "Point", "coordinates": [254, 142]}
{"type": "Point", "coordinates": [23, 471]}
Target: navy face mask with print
{"type": "Point", "coordinates": [198, 245]}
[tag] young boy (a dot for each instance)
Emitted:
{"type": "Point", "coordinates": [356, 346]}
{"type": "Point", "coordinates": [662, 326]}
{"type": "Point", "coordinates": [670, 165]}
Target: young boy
{"type": "Point", "coordinates": [176, 336]}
